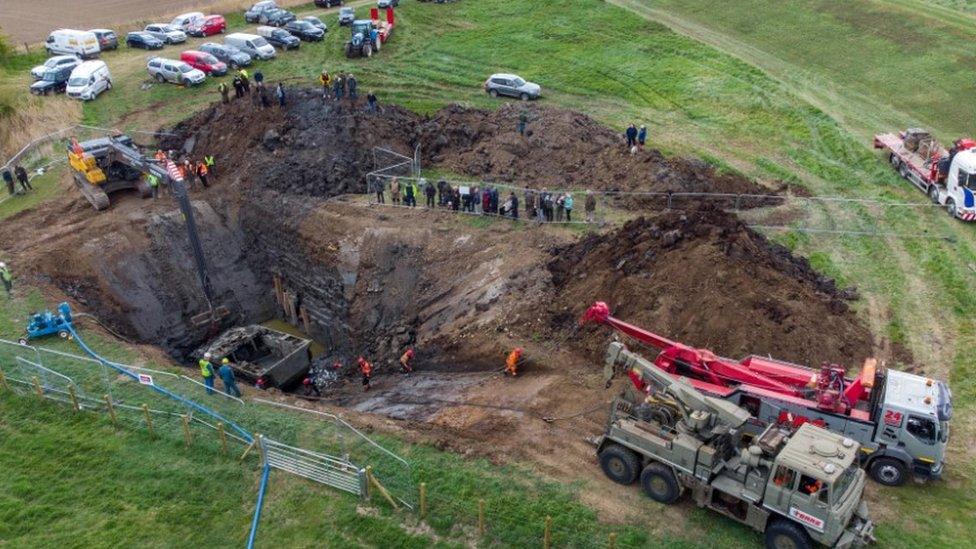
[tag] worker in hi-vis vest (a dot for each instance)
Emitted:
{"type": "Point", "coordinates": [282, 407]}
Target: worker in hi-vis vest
{"type": "Point", "coordinates": [207, 371]}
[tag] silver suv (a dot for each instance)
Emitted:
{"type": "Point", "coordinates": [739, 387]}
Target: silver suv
{"type": "Point", "coordinates": [513, 86]}
{"type": "Point", "coordinates": [177, 72]}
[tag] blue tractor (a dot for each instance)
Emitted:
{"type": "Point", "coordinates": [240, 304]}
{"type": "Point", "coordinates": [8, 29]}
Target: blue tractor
{"type": "Point", "coordinates": [47, 323]}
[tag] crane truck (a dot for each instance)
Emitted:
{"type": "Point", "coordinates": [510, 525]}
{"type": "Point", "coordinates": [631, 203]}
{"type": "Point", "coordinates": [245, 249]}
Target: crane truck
{"type": "Point", "coordinates": [109, 164]}
{"type": "Point", "coordinates": [900, 420]}
{"type": "Point", "coordinates": [367, 36]}
{"type": "Point", "coordinates": [799, 488]}
{"type": "Point", "coordinates": [948, 178]}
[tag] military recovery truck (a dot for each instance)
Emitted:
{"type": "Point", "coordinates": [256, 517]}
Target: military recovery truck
{"type": "Point", "coordinates": [800, 488]}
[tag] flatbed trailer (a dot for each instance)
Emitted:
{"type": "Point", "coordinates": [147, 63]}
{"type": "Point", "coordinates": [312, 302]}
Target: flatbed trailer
{"type": "Point", "coordinates": [947, 177]}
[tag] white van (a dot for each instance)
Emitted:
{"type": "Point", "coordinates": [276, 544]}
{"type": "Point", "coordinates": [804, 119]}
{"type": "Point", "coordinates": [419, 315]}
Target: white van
{"type": "Point", "coordinates": [185, 20]}
{"type": "Point", "coordinates": [88, 80]}
{"type": "Point", "coordinates": [251, 44]}
{"type": "Point", "coordinates": [84, 44]}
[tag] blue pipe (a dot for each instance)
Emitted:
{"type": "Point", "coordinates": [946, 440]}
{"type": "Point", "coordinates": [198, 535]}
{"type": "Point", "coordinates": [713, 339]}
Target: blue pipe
{"type": "Point", "coordinates": [257, 510]}
{"type": "Point", "coordinates": [122, 369]}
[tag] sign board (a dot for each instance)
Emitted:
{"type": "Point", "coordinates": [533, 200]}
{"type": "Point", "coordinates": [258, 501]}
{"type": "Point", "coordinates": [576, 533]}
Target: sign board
{"type": "Point", "coordinates": [145, 379]}
{"type": "Point", "coordinates": [464, 190]}
{"type": "Point", "coordinates": [807, 519]}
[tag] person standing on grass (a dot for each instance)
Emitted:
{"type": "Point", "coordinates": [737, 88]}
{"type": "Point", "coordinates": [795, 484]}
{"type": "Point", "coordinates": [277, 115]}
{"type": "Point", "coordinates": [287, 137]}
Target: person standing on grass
{"type": "Point", "coordinates": [631, 134]}
{"type": "Point", "coordinates": [378, 187]}
{"type": "Point", "coordinates": [589, 206]}
{"type": "Point", "coordinates": [371, 102]}
{"type": "Point", "coordinates": [326, 82]}
{"type": "Point", "coordinates": [238, 87]}
{"type": "Point", "coordinates": [522, 121]}
{"type": "Point", "coordinates": [8, 179]}
{"type": "Point", "coordinates": [513, 205]}
{"type": "Point", "coordinates": [23, 178]}
{"type": "Point", "coordinates": [641, 137]}
{"type": "Point", "coordinates": [486, 201]}
{"type": "Point", "coordinates": [280, 94]}
{"type": "Point", "coordinates": [430, 191]}
{"type": "Point", "coordinates": [568, 205]}
{"type": "Point", "coordinates": [337, 87]}
{"type": "Point", "coordinates": [207, 371]}
{"type": "Point", "coordinates": [351, 82]}
{"type": "Point", "coordinates": [395, 191]}
{"type": "Point", "coordinates": [227, 376]}
{"type": "Point", "coordinates": [245, 81]}
{"type": "Point", "coordinates": [258, 77]}
{"type": "Point", "coordinates": [7, 279]}
{"type": "Point", "coordinates": [224, 93]}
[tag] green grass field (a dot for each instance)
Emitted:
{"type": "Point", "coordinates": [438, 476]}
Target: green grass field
{"type": "Point", "coordinates": [777, 90]}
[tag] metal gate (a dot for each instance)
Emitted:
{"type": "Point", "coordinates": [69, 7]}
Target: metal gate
{"type": "Point", "coordinates": [336, 472]}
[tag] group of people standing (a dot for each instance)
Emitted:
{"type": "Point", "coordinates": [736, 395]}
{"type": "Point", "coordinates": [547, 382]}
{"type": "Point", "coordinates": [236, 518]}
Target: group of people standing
{"type": "Point", "coordinates": [339, 86]}
{"type": "Point", "coordinates": [22, 178]}
{"type": "Point", "coordinates": [542, 206]}
{"type": "Point", "coordinates": [635, 138]}
{"type": "Point", "coordinates": [261, 94]}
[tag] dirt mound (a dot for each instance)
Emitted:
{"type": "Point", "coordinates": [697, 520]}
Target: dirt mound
{"type": "Point", "coordinates": [706, 280]}
{"type": "Point", "coordinates": [562, 148]}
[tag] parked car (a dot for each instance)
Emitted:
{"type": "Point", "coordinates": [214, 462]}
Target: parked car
{"type": "Point", "coordinates": [177, 72]}
{"type": "Point", "coordinates": [208, 26]}
{"type": "Point", "coordinates": [251, 44]}
{"type": "Point", "coordinates": [144, 40]}
{"type": "Point", "coordinates": [166, 33]}
{"type": "Point", "coordinates": [279, 37]}
{"type": "Point", "coordinates": [276, 17]}
{"type": "Point", "coordinates": [346, 15]}
{"type": "Point", "coordinates": [304, 30]}
{"type": "Point", "coordinates": [204, 62]}
{"type": "Point", "coordinates": [107, 39]}
{"type": "Point", "coordinates": [88, 80]}
{"type": "Point", "coordinates": [233, 57]}
{"type": "Point", "coordinates": [55, 62]}
{"type": "Point", "coordinates": [513, 86]}
{"type": "Point", "coordinates": [328, 3]}
{"type": "Point", "coordinates": [84, 44]}
{"type": "Point", "coordinates": [254, 13]}
{"type": "Point", "coordinates": [186, 20]}
{"type": "Point", "coordinates": [383, 4]}
{"type": "Point", "coordinates": [54, 80]}
{"type": "Point", "coordinates": [316, 22]}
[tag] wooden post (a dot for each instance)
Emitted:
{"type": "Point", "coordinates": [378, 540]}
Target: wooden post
{"type": "Point", "coordinates": [3, 380]}
{"type": "Point", "coordinates": [74, 398]}
{"type": "Point", "coordinates": [423, 501]}
{"type": "Point", "coordinates": [186, 430]}
{"type": "Point", "coordinates": [277, 290]}
{"type": "Point", "coordinates": [223, 438]}
{"type": "Point", "coordinates": [248, 449]}
{"type": "Point", "coordinates": [612, 542]}
{"type": "Point", "coordinates": [306, 320]}
{"type": "Point", "coordinates": [380, 487]}
{"type": "Point", "coordinates": [111, 411]}
{"type": "Point", "coordinates": [145, 409]}
{"type": "Point", "coordinates": [37, 387]}
{"type": "Point", "coordinates": [481, 518]}
{"type": "Point", "coordinates": [547, 536]}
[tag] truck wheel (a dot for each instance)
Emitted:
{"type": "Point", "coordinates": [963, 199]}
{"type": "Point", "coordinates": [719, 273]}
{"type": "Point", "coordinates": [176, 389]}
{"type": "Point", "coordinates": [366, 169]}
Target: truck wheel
{"type": "Point", "coordinates": [22, 341]}
{"type": "Point", "coordinates": [951, 207]}
{"type": "Point", "coordinates": [785, 534]}
{"type": "Point", "coordinates": [894, 160]}
{"type": "Point", "coordinates": [63, 334]}
{"type": "Point", "coordinates": [159, 78]}
{"type": "Point", "coordinates": [619, 464]}
{"type": "Point", "coordinates": [888, 471]}
{"type": "Point", "coordinates": [659, 483]}
{"type": "Point", "coordinates": [524, 97]}
{"type": "Point", "coordinates": [348, 49]}
{"type": "Point", "coordinates": [934, 194]}
{"type": "Point", "coordinates": [903, 170]}
{"type": "Point", "coordinates": [367, 50]}
{"type": "Point", "coordinates": [493, 92]}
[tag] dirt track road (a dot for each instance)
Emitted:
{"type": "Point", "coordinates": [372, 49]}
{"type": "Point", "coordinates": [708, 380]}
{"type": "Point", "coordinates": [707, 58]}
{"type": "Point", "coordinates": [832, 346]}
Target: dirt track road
{"type": "Point", "coordinates": [31, 20]}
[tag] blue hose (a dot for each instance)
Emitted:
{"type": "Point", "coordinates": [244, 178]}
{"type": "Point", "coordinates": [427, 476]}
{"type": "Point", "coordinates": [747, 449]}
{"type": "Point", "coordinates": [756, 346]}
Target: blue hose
{"type": "Point", "coordinates": [257, 510]}
{"type": "Point", "coordinates": [123, 370]}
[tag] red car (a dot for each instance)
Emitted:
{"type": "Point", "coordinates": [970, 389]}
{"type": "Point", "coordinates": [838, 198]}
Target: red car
{"type": "Point", "coordinates": [204, 61]}
{"type": "Point", "coordinates": [209, 25]}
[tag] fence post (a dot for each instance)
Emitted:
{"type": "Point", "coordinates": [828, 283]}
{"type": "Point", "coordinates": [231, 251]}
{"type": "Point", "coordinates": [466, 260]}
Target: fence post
{"type": "Point", "coordinates": [737, 197]}
{"type": "Point", "coordinates": [149, 425]}
{"type": "Point", "coordinates": [3, 380]}
{"type": "Point", "coordinates": [547, 536]}
{"type": "Point", "coordinates": [111, 411]}
{"type": "Point", "coordinates": [223, 438]}
{"type": "Point", "coordinates": [612, 542]}
{"type": "Point", "coordinates": [37, 386]}
{"type": "Point", "coordinates": [249, 448]}
{"type": "Point", "coordinates": [74, 398]}
{"type": "Point", "coordinates": [186, 430]}
{"type": "Point", "coordinates": [423, 501]}
{"type": "Point", "coordinates": [481, 518]}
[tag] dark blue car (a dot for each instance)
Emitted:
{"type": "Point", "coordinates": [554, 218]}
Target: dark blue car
{"type": "Point", "coordinates": [144, 40]}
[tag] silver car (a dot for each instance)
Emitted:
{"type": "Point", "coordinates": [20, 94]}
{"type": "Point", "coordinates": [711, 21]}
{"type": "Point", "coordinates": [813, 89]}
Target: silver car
{"type": "Point", "coordinates": [168, 34]}
{"type": "Point", "coordinates": [512, 85]}
{"type": "Point", "coordinates": [177, 72]}
{"type": "Point", "coordinates": [55, 63]}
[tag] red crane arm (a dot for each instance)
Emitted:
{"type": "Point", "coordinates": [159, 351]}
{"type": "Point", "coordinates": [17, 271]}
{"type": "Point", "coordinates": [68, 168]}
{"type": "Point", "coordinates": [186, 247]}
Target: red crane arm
{"type": "Point", "coordinates": [599, 312]}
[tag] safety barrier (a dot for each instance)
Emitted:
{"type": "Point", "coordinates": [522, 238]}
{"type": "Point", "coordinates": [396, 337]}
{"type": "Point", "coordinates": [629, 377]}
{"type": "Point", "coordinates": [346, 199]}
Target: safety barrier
{"type": "Point", "coordinates": [331, 471]}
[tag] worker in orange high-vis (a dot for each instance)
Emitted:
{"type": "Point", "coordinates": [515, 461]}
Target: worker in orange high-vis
{"type": "Point", "coordinates": [405, 360]}
{"type": "Point", "coordinates": [367, 370]}
{"type": "Point", "coordinates": [513, 361]}
{"type": "Point", "coordinates": [202, 172]}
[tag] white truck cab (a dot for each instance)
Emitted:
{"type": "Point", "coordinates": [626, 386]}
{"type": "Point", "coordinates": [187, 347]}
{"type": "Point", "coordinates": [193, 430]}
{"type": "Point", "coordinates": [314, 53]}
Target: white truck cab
{"type": "Point", "coordinates": [958, 196]}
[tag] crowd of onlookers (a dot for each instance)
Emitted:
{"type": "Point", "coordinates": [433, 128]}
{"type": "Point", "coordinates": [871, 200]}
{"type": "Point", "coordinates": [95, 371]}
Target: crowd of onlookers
{"type": "Point", "coordinates": [542, 205]}
{"type": "Point", "coordinates": [22, 178]}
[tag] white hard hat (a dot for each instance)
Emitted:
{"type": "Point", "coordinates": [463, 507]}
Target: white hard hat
{"type": "Point", "coordinates": [207, 356]}
{"type": "Point", "coordinates": [2, 264]}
